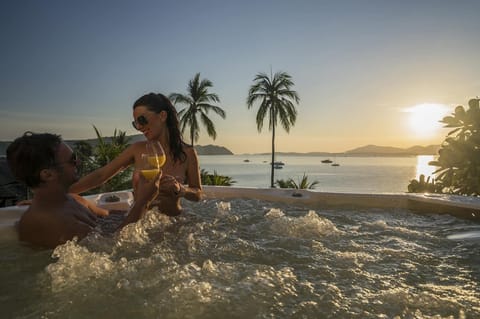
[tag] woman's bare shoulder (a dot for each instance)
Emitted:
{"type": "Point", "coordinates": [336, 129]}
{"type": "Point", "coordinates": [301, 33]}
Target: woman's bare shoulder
{"type": "Point", "coordinates": [189, 150]}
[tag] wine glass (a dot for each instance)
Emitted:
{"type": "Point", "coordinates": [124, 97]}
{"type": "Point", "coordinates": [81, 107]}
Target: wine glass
{"type": "Point", "coordinates": [152, 160]}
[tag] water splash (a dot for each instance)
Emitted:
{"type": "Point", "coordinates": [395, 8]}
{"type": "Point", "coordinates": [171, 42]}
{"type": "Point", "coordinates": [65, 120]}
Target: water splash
{"type": "Point", "coordinates": [309, 226]}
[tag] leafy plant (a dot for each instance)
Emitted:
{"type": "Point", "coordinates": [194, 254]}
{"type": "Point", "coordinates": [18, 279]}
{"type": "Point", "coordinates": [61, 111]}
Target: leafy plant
{"type": "Point", "coordinates": [84, 151]}
{"type": "Point", "coordinates": [303, 183]}
{"type": "Point", "coordinates": [101, 154]}
{"type": "Point", "coordinates": [424, 186]}
{"type": "Point", "coordinates": [459, 155]}
{"type": "Point", "coordinates": [215, 179]}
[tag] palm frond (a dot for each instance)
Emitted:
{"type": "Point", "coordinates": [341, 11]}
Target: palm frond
{"type": "Point", "coordinates": [199, 103]}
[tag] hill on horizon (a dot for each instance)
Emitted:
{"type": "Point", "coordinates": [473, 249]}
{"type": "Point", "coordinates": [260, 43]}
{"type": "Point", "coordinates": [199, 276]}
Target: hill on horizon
{"type": "Point", "coordinates": [201, 149]}
{"type": "Point", "coordinates": [389, 150]}
{"type": "Point", "coordinates": [374, 150]}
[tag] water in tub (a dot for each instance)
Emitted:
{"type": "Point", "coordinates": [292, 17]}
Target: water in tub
{"type": "Point", "coordinates": [252, 259]}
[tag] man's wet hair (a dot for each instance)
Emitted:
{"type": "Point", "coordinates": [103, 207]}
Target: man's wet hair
{"type": "Point", "coordinates": [29, 154]}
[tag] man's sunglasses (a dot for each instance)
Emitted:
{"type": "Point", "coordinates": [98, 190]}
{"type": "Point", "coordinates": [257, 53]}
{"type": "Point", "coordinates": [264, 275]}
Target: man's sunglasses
{"type": "Point", "coordinates": [72, 161]}
{"type": "Point", "coordinates": [141, 120]}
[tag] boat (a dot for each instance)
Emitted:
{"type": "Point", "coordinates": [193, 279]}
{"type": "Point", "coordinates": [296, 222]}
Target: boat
{"type": "Point", "coordinates": [278, 164]}
{"type": "Point", "coordinates": [335, 162]}
{"type": "Point", "coordinates": [246, 160]}
{"type": "Point", "coordinates": [327, 161]}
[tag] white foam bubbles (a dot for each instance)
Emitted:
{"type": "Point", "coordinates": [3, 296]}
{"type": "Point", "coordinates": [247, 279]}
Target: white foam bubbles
{"type": "Point", "coordinates": [309, 226]}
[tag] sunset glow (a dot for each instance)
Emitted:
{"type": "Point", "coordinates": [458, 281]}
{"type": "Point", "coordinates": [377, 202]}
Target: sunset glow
{"type": "Point", "coordinates": [364, 70]}
{"type": "Point", "coordinates": [424, 118]}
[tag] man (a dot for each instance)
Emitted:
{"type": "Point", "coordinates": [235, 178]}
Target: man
{"type": "Point", "coordinates": [48, 166]}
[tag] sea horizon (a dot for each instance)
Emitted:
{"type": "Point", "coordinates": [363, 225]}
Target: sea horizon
{"type": "Point", "coordinates": [354, 174]}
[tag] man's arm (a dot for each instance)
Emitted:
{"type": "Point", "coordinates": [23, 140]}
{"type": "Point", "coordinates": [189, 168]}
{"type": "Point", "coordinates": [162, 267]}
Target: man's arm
{"type": "Point", "coordinates": [93, 208]}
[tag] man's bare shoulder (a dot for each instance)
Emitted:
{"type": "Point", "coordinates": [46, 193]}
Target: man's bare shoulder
{"type": "Point", "coordinates": [50, 228]}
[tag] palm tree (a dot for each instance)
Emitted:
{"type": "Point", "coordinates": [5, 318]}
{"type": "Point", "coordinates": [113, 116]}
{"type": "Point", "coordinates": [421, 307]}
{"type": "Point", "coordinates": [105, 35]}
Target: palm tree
{"type": "Point", "coordinates": [276, 99]}
{"type": "Point", "coordinates": [198, 101]}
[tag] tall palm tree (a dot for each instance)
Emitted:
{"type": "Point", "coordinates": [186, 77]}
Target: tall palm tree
{"type": "Point", "coordinates": [198, 101]}
{"type": "Point", "coordinates": [277, 101]}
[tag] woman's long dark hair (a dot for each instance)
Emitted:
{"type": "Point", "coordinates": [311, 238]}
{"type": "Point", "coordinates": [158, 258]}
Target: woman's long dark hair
{"type": "Point", "coordinates": [157, 103]}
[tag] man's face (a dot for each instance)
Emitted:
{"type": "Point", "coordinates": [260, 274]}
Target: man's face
{"type": "Point", "coordinates": [66, 164]}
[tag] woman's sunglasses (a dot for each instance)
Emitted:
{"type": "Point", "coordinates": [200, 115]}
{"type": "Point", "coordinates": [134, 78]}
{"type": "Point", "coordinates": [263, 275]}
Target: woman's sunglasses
{"type": "Point", "coordinates": [141, 120]}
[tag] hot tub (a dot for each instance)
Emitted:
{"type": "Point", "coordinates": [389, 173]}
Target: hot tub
{"type": "Point", "coordinates": [260, 253]}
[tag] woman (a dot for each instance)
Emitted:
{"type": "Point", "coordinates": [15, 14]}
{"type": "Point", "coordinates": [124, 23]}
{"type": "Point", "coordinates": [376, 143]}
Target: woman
{"type": "Point", "coordinates": [156, 117]}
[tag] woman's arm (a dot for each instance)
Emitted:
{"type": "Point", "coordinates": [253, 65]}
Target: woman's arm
{"type": "Point", "coordinates": [102, 174]}
{"type": "Point", "coordinates": [193, 191]}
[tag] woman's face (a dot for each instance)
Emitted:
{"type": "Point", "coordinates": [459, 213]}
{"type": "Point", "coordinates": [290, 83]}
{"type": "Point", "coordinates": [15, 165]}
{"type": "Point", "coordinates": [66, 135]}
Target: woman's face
{"type": "Point", "coordinates": [148, 122]}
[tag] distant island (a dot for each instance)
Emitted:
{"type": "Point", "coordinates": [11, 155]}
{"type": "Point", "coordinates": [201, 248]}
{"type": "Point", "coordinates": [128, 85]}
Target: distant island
{"type": "Point", "coordinates": [375, 150]}
{"type": "Point", "coordinates": [368, 150]}
{"type": "Point", "coordinates": [372, 150]}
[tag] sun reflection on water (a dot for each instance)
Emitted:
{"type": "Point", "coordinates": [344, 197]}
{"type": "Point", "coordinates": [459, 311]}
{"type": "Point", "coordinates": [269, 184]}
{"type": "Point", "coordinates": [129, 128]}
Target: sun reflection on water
{"type": "Point", "coordinates": [423, 167]}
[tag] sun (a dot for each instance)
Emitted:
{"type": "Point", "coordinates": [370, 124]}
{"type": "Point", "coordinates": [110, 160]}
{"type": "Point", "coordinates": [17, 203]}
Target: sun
{"type": "Point", "coordinates": [424, 118]}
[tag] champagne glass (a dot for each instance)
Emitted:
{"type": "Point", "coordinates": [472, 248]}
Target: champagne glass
{"type": "Point", "coordinates": [152, 160]}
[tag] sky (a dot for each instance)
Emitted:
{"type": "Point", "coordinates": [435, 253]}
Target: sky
{"type": "Point", "coordinates": [367, 71]}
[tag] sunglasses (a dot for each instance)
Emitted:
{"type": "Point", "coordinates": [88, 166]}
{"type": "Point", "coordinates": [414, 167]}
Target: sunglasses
{"type": "Point", "coordinates": [72, 161]}
{"type": "Point", "coordinates": [141, 120]}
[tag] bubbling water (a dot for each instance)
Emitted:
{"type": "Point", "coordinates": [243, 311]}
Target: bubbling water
{"type": "Point", "coordinates": [255, 259]}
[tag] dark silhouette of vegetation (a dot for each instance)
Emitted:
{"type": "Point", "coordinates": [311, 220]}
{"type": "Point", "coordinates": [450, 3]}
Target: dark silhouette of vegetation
{"type": "Point", "coordinates": [198, 101]}
{"type": "Point", "coordinates": [458, 160]}
{"type": "Point", "coordinates": [102, 153]}
{"type": "Point", "coordinates": [276, 99]}
{"type": "Point", "coordinates": [424, 186]}
{"type": "Point", "coordinates": [84, 151]}
{"type": "Point", "coordinates": [303, 183]}
{"type": "Point", "coordinates": [215, 179]}
{"type": "Point", "coordinates": [459, 156]}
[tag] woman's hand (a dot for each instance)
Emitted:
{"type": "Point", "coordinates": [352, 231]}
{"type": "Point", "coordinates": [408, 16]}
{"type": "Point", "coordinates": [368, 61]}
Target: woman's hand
{"type": "Point", "coordinates": [170, 186]}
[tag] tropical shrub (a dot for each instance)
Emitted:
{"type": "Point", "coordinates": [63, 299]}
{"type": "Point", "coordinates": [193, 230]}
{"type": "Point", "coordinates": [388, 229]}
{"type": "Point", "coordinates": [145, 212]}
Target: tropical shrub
{"type": "Point", "coordinates": [84, 151]}
{"type": "Point", "coordinates": [303, 183]}
{"type": "Point", "coordinates": [215, 179]}
{"type": "Point", "coordinates": [102, 153]}
{"type": "Point", "coordinates": [459, 156]}
{"type": "Point", "coordinates": [424, 186]}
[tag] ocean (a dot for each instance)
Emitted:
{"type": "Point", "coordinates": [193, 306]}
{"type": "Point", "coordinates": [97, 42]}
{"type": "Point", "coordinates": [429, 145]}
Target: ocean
{"type": "Point", "coordinates": [353, 175]}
